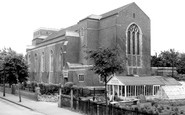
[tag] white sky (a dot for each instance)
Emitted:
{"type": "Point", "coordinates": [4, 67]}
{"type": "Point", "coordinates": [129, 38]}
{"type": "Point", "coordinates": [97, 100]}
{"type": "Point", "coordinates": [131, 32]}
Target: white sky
{"type": "Point", "coordinates": [20, 18]}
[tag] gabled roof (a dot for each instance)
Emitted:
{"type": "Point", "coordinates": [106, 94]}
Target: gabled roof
{"type": "Point", "coordinates": [115, 11]}
{"type": "Point", "coordinates": [98, 17]}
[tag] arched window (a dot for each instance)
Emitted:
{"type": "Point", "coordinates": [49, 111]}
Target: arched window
{"type": "Point", "coordinates": [133, 41]}
{"type": "Point", "coordinates": [61, 59]}
{"type": "Point", "coordinates": [29, 62]}
{"type": "Point", "coordinates": [36, 63]}
{"type": "Point", "coordinates": [128, 42]}
{"type": "Point", "coordinates": [51, 61]}
{"type": "Point", "coordinates": [42, 62]}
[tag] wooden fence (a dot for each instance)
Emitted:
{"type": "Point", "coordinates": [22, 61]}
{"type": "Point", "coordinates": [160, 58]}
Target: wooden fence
{"type": "Point", "coordinates": [92, 108]}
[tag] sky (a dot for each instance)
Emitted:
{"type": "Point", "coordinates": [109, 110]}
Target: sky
{"type": "Point", "coordinates": [20, 18]}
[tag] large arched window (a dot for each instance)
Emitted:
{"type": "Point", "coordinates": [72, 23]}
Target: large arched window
{"type": "Point", "coordinates": [42, 62]}
{"type": "Point", "coordinates": [50, 66]}
{"type": "Point", "coordinates": [36, 63]}
{"type": "Point", "coordinates": [51, 61]}
{"type": "Point", "coordinates": [133, 48]}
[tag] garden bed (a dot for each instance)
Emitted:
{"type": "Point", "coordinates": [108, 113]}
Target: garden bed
{"type": "Point", "coordinates": [48, 98]}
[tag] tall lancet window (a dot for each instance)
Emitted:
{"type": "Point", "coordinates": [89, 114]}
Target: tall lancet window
{"type": "Point", "coordinates": [134, 38]}
{"type": "Point", "coordinates": [51, 61]}
{"type": "Point", "coordinates": [42, 62]}
{"type": "Point", "coordinates": [50, 66]}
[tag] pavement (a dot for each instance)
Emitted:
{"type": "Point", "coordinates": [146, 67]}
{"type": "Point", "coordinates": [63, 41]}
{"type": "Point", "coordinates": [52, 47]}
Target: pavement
{"type": "Point", "coordinates": [47, 108]}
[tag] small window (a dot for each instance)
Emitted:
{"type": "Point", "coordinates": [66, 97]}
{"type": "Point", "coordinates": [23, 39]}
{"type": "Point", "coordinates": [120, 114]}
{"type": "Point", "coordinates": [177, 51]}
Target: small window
{"type": "Point", "coordinates": [81, 78]}
{"type": "Point", "coordinates": [134, 15]}
{"type": "Point", "coordinates": [35, 56]}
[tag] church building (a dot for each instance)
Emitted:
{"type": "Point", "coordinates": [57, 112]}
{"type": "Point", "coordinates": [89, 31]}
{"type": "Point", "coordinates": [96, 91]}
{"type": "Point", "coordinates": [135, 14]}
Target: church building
{"type": "Point", "coordinates": [58, 56]}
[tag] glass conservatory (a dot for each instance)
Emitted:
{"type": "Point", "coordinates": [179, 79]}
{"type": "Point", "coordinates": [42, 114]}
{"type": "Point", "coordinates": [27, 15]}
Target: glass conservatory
{"type": "Point", "coordinates": [133, 86]}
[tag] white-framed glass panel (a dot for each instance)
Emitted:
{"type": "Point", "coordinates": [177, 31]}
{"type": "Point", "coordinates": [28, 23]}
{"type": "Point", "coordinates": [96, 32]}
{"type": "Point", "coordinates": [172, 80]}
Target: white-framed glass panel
{"type": "Point", "coordinates": [81, 78]}
{"type": "Point", "coordinates": [115, 89]}
{"type": "Point", "coordinates": [148, 90]}
{"type": "Point", "coordinates": [123, 91]}
{"type": "Point", "coordinates": [132, 91]}
{"type": "Point", "coordinates": [156, 88]}
{"type": "Point", "coordinates": [139, 90]}
{"type": "Point", "coordinates": [128, 90]}
{"type": "Point", "coordinates": [111, 89]}
{"type": "Point", "coordinates": [120, 90]}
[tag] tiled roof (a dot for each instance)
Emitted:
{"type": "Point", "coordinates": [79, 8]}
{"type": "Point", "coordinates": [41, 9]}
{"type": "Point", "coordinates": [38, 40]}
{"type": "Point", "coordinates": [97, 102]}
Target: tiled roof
{"type": "Point", "coordinates": [150, 80]}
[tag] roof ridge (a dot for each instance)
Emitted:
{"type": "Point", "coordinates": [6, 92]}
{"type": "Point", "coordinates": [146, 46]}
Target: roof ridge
{"type": "Point", "coordinates": [117, 10]}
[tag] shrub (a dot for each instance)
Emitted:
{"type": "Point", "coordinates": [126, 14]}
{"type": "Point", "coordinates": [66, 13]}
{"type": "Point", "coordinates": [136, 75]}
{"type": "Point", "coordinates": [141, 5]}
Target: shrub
{"type": "Point", "coordinates": [49, 89]}
{"type": "Point", "coordinates": [67, 88]}
{"type": "Point", "coordinates": [31, 86]}
{"type": "Point", "coordinates": [142, 98]}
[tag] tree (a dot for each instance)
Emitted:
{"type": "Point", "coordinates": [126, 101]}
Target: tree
{"type": "Point", "coordinates": [181, 64]}
{"type": "Point", "coordinates": [170, 59]}
{"type": "Point", "coordinates": [106, 62]}
{"type": "Point", "coordinates": [14, 66]}
{"type": "Point", "coordinates": [156, 61]}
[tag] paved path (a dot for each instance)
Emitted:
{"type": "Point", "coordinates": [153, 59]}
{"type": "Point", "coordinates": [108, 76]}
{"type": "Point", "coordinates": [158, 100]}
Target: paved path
{"type": "Point", "coordinates": [8, 108]}
{"type": "Point", "coordinates": [47, 108]}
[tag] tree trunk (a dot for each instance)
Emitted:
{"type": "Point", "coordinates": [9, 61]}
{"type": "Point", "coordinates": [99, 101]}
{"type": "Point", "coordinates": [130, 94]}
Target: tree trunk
{"type": "Point", "coordinates": [19, 85]}
{"type": "Point", "coordinates": [4, 84]}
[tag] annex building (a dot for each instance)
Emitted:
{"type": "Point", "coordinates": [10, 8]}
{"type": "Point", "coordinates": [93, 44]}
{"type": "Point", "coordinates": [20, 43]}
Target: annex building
{"type": "Point", "coordinates": [58, 56]}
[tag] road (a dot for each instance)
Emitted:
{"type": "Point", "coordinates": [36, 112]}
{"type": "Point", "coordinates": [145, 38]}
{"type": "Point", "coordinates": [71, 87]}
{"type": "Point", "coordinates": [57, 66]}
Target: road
{"type": "Point", "coordinates": [8, 108]}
